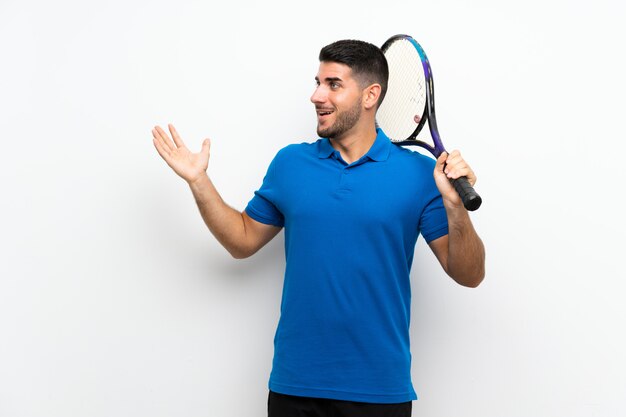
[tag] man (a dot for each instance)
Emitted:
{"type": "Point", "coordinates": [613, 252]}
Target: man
{"type": "Point", "coordinates": [351, 223]}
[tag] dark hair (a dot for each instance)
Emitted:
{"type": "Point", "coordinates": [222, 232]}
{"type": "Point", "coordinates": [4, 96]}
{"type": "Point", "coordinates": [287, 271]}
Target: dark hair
{"type": "Point", "coordinates": [367, 61]}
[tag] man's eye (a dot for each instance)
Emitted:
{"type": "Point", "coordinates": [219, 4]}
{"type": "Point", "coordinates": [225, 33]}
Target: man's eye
{"type": "Point", "coordinates": [334, 86]}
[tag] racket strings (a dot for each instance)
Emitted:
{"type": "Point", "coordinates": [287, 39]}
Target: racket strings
{"type": "Point", "coordinates": [406, 92]}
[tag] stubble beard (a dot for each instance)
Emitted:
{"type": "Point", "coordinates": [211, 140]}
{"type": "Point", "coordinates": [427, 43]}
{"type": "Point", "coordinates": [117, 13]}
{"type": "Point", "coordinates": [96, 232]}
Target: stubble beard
{"type": "Point", "coordinates": [344, 122]}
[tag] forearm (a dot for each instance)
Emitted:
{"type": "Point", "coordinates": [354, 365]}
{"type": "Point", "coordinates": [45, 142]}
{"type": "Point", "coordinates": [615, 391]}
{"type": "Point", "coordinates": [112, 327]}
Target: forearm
{"type": "Point", "coordinates": [224, 222]}
{"type": "Point", "coordinates": [466, 253]}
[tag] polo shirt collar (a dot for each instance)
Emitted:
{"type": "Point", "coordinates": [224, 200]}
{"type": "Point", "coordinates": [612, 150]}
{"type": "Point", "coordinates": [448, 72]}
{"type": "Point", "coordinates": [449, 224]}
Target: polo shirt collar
{"type": "Point", "coordinates": [325, 149]}
{"type": "Point", "coordinates": [380, 149]}
{"type": "Point", "coordinates": [378, 152]}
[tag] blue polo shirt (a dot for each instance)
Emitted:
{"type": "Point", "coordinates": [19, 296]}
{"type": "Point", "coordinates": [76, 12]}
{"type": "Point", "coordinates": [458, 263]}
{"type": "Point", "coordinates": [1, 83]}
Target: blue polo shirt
{"type": "Point", "coordinates": [350, 234]}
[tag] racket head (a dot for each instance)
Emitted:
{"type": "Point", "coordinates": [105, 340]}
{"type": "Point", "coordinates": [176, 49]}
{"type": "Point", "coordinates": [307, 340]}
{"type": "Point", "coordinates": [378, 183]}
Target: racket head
{"type": "Point", "coordinates": [409, 100]}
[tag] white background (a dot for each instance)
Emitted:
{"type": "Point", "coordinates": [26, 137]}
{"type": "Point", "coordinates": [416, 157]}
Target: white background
{"type": "Point", "coordinates": [116, 301]}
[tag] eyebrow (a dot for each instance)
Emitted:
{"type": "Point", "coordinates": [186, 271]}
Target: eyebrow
{"type": "Point", "coordinates": [329, 79]}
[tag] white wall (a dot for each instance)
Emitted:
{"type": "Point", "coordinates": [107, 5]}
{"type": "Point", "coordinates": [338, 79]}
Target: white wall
{"type": "Point", "coordinates": [116, 301]}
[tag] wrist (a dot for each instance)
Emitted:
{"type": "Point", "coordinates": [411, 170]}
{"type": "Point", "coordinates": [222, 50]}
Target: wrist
{"type": "Point", "coordinates": [453, 202]}
{"type": "Point", "coordinates": [199, 181]}
{"type": "Point", "coordinates": [455, 210]}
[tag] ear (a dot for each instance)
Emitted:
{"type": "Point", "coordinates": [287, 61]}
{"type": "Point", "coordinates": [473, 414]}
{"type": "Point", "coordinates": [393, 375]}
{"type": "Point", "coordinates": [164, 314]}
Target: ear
{"type": "Point", "coordinates": [371, 94]}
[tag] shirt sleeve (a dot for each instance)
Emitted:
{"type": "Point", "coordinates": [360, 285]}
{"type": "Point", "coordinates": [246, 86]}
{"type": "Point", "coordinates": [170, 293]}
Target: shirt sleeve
{"type": "Point", "coordinates": [263, 206]}
{"type": "Point", "coordinates": [434, 221]}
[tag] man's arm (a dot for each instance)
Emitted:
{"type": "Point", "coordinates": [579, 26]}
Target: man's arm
{"type": "Point", "coordinates": [236, 231]}
{"type": "Point", "coordinates": [461, 252]}
{"type": "Point", "coordinates": [241, 235]}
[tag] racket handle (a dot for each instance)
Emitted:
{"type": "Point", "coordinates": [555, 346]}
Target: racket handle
{"type": "Point", "coordinates": [471, 199]}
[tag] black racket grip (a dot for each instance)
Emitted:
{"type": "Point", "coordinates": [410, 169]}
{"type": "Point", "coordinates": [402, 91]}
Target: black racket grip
{"type": "Point", "coordinates": [471, 199]}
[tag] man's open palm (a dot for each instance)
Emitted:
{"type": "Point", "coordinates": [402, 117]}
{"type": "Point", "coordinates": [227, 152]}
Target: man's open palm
{"type": "Point", "coordinates": [188, 165]}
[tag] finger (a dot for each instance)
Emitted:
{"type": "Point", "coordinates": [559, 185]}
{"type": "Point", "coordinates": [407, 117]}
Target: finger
{"type": "Point", "coordinates": [454, 165]}
{"type": "Point", "coordinates": [454, 158]}
{"type": "Point", "coordinates": [458, 170]}
{"type": "Point", "coordinates": [455, 153]}
{"type": "Point", "coordinates": [469, 174]}
{"type": "Point", "coordinates": [162, 136]}
{"type": "Point", "coordinates": [458, 167]}
{"type": "Point", "coordinates": [161, 149]}
{"type": "Point", "coordinates": [156, 139]}
{"type": "Point", "coordinates": [454, 162]}
{"type": "Point", "coordinates": [177, 140]}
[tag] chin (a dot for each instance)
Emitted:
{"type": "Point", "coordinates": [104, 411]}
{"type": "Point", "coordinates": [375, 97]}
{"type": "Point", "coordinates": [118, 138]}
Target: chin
{"type": "Point", "coordinates": [323, 133]}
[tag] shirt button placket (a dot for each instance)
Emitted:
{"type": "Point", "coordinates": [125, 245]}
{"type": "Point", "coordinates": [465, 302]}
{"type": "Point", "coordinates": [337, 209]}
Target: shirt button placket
{"type": "Point", "coordinates": [344, 179]}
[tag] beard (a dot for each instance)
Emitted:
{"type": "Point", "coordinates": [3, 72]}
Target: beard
{"type": "Point", "coordinates": [344, 121]}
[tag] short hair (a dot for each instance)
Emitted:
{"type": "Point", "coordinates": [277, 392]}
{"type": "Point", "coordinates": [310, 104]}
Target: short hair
{"type": "Point", "coordinates": [367, 62]}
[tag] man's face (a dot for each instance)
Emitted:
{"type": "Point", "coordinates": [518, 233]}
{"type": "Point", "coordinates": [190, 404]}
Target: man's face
{"type": "Point", "coordinates": [337, 100]}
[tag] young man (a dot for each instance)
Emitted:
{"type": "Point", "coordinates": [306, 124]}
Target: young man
{"type": "Point", "coordinates": [342, 343]}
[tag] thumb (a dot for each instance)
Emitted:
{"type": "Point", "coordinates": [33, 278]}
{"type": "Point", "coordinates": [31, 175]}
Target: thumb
{"type": "Point", "coordinates": [441, 161]}
{"type": "Point", "coordinates": [206, 147]}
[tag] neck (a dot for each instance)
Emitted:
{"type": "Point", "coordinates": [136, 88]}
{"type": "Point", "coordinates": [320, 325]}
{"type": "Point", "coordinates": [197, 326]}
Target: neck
{"type": "Point", "coordinates": [354, 144]}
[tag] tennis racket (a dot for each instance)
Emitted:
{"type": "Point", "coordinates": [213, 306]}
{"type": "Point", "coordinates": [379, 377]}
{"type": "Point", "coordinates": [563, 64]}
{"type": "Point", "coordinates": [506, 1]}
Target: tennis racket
{"type": "Point", "coordinates": [410, 102]}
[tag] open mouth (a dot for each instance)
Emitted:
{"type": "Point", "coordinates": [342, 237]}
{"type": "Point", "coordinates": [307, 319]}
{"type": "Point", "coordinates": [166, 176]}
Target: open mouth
{"type": "Point", "coordinates": [324, 112]}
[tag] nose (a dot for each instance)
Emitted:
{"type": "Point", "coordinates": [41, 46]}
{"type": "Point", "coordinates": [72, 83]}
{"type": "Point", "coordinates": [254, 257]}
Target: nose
{"type": "Point", "coordinates": [318, 95]}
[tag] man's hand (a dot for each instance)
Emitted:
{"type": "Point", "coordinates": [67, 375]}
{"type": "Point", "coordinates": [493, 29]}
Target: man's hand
{"type": "Point", "coordinates": [461, 252]}
{"type": "Point", "coordinates": [448, 167]}
{"type": "Point", "coordinates": [236, 231]}
{"type": "Point", "coordinates": [188, 165]}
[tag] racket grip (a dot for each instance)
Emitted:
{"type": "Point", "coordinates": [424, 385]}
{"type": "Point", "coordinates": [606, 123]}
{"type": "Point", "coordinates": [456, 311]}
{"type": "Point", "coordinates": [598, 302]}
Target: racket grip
{"type": "Point", "coordinates": [471, 199]}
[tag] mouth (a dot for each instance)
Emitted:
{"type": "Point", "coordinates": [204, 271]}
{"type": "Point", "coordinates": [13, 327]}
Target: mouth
{"type": "Point", "coordinates": [323, 113]}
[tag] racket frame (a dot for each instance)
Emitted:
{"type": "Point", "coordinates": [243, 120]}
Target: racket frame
{"type": "Point", "coordinates": [471, 199]}
{"type": "Point", "coordinates": [429, 107]}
